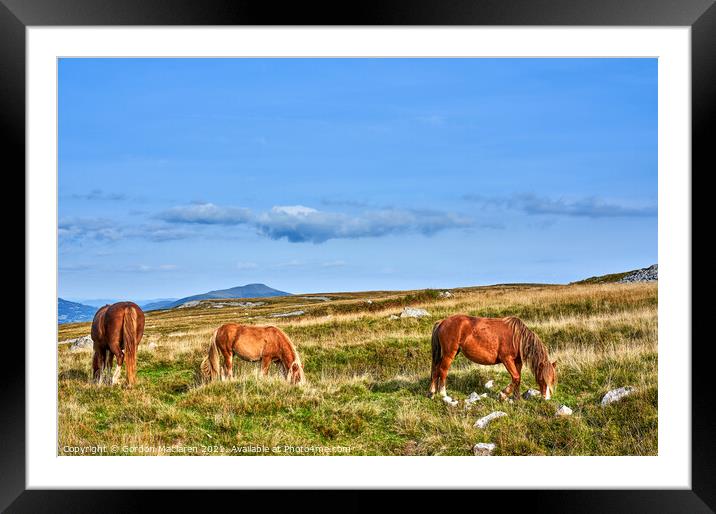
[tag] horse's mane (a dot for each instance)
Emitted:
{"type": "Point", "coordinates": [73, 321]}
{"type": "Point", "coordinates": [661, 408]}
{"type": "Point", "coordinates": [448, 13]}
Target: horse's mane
{"type": "Point", "coordinates": [296, 357]}
{"type": "Point", "coordinates": [531, 349]}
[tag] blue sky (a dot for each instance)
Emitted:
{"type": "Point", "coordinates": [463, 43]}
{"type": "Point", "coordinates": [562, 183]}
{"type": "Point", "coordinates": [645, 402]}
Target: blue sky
{"type": "Point", "coordinates": [177, 176]}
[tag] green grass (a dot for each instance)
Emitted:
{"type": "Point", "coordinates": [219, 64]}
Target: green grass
{"type": "Point", "coordinates": [368, 377]}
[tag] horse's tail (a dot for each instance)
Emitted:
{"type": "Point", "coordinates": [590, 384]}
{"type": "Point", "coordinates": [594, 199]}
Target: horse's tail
{"type": "Point", "coordinates": [129, 336]}
{"type": "Point", "coordinates": [437, 349]}
{"type": "Point", "coordinates": [210, 364]}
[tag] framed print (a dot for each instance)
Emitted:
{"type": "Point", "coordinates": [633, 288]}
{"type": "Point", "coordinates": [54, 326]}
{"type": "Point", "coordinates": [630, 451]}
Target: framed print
{"type": "Point", "coordinates": [291, 250]}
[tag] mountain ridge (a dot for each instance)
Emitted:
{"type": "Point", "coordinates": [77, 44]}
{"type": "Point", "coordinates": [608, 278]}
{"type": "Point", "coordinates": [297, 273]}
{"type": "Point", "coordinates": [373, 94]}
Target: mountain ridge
{"type": "Point", "coordinates": [255, 290]}
{"type": "Point", "coordinates": [71, 312]}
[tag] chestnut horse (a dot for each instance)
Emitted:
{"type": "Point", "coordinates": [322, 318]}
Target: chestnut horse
{"type": "Point", "coordinates": [491, 341]}
{"type": "Point", "coordinates": [251, 343]}
{"type": "Point", "coordinates": [117, 330]}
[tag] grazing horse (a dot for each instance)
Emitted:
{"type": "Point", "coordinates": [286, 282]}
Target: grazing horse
{"type": "Point", "coordinates": [252, 343]}
{"type": "Point", "coordinates": [491, 341]}
{"type": "Point", "coordinates": [117, 330]}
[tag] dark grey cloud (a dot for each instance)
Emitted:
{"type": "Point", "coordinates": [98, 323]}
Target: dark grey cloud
{"type": "Point", "coordinates": [300, 224]}
{"type": "Point", "coordinates": [294, 223]}
{"type": "Point", "coordinates": [589, 207]}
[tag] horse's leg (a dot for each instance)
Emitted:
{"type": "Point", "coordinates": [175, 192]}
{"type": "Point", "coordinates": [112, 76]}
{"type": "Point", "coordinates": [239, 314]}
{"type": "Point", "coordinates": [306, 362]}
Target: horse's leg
{"type": "Point", "coordinates": [117, 370]}
{"type": "Point", "coordinates": [518, 365]}
{"type": "Point", "coordinates": [107, 366]}
{"type": "Point", "coordinates": [265, 363]}
{"type": "Point", "coordinates": [228, 372]}
{"type": "Point", "coordinates": [97, 366]}
{"type": "Point", "coordinates": [434, 377]}
{"type": "Point", "coordinates": [443, 369]}
{"type": "Point", "coordinates": [514, 371]}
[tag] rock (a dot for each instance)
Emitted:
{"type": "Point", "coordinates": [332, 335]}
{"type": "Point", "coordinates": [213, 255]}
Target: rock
{"type": "Point", "coordinates": [249, 304]}
{"type": "Point", "coordinates": [484, 421]}
{"type": "Point", "coordinates": [649, 274]}
{"type": "Point", "coordinates": [393, 316]}
{"type": "Point", "coordinates": [152, 346]}
{"type": "Point", "coordinates": [489, 384]}
{"type": "Point", "coordinates": [531, 393]}
{"type": "Point", "coordinates": [288, 314]}
{"type": "Point", "coordinates": [80, 343]}
{"type": "Point", "coordinates": [563, 411]}
{"type": "Point", "coordinates": [473, 398]}
{"type": "Point", "coordinates": [483, 449]}
{"type": "Point", "coordinates": [369, 302]}
{"type": "Point", "coordinates": [617, 394]}
{"type": "Point", "coordinates": [186, 305]}
{"type": "Point", "coordinates": [449, 401]}
{"type": "Point", "coordinates": [412, 312]}
{"type": "Point", "coordinates": [445, 294]}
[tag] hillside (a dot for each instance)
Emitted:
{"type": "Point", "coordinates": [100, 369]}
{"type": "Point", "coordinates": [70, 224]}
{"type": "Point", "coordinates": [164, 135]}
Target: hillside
{"type": "Point", "coordinates": [636, 275]}
{"type": "Point", "coordinates": [247, 291]}
{"type": "Point", "coordinates": [158, 303]}
{"type": "Point", "coordinates": [71, 312]}
{"type": "Point", "coordinates": [367, 373]}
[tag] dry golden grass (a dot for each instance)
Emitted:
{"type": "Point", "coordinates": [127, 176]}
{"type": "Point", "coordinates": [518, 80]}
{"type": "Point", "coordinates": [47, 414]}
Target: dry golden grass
{"type": "Point", "coordinates": [368, 375]}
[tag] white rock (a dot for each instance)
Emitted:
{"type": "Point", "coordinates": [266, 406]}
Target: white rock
{"type": "Point", "coordinates": [393, 316]}
{"type": "Point", "coordinates": [287, 314]}
{"type": "Point", "coordinates": [483, 449]}
{"type": "Point", "coordinates": [563, 411]}
{"type": "Point", "coordinates": [80, 343]}
{"type": "Point", "coordinates": [445, 294]}
{"type": "Point", "coordinates": [489, 384]}
{"type": "Point", "coordinates": [617, 394]}
{"type": "Point", "coordinates": [643, 275]}
{"type": "Point", "coordinates": [412, 312]}
{"type": "Point", "coordinates": [531, 393]}
{"type": "Point", "coordinates": [474, 397]}
{"type": "Point", "coordinates": [484, 421]}
{"type": "Point", "coordinates": [449, 401]}
{"type": "Point", "coordinates": [152, 346]}
{"type": "Point", "coordinates": [191, 303]}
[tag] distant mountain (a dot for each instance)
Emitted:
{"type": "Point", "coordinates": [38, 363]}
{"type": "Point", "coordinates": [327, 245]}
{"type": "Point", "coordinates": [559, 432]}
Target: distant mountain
{"type": "Point", "coordinates": [157, 303]}
{"type": "Point", "coordinates": [94, 302]}
{"type": "Point", "coordinates": [247, 291]}
{"type": "Point", "coordinates": [70, 312]}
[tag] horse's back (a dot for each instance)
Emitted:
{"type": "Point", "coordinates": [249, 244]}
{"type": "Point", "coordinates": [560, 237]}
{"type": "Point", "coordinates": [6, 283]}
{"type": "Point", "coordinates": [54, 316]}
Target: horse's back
{"type": "Point", "coordinates": [109, 320]}
{"type": "Point", "coordinates": [97, 332]}
{"type": "Point", "coordinates": [249, 341]}
{"type": "Point", "coordinates": [482, 340]}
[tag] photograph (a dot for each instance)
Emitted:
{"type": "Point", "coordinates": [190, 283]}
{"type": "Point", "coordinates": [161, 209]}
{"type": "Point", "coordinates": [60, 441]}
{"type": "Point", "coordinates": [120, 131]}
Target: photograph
{"type": "Point", "coordinates": [357, 256]}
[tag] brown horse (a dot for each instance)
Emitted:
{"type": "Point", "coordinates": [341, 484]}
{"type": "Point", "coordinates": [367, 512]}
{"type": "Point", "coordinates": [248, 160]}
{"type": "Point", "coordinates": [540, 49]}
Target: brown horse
{"type": "Point", "coordinates": [117, 330]}
{"type": "Point", "coordinates": [252, 343]}
{"type": "Point", "coordinates": [491, 341]}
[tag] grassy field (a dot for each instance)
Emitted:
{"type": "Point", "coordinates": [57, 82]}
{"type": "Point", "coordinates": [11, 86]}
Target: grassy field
{"type": "Point", "coordinates": [368, 376]}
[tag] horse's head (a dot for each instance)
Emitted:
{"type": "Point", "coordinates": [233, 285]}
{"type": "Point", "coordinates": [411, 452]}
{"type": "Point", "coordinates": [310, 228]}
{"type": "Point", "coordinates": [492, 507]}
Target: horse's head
{"type": "Point", "coordinates": [295, 373]}
{"type": "Point", "coordinates": [547, 379]}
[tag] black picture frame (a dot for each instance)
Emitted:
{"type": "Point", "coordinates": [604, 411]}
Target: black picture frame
{"type": "Point", "coordinates": [700, 15]}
